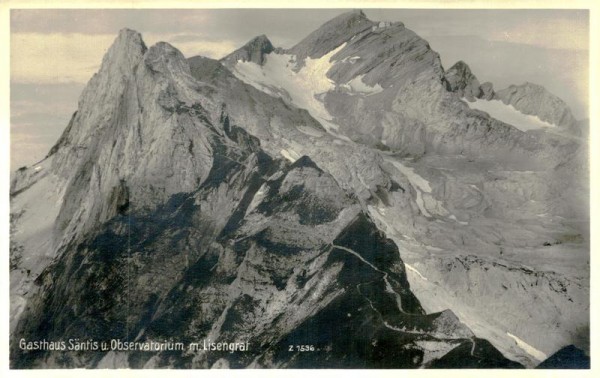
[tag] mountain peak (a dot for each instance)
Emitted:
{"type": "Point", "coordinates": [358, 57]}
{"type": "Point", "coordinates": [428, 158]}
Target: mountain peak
{"type": "Point", "coordinates": [461, 65]}
{"type": "Point", "coordinates": [164, 57]}
{"type": "Point", "coordinates": [253, 51]}
{"type": "Point", "coordinates": [332, 34]}
{"type": "Point", "coordinates": [351, 16]}
{"type": "Point", "coordinates": [129, 39]}
{"type": "Point", "coordinates": [461, 80]}
{"type": "Point", "coordinates": [126, 52]}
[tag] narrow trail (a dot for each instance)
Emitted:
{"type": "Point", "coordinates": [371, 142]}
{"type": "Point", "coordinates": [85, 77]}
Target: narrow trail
{"type": "Point", "coordinates": [388, 286]}
{"type": "Point", "coordinates": [386, 324]}
{"type": "Point", "coordinates": [398, 299]}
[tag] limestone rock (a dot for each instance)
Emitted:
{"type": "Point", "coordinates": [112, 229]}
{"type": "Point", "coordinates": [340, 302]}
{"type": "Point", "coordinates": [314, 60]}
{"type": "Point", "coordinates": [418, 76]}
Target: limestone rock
{"type": "Point", "coordinates": [535, 100]}
{"type": "Point", "coordinates": [487, 91]}
{"type": "Point", "coordinates": [461, 80]}
{"type": "Point", "coordinates": [254, 51]}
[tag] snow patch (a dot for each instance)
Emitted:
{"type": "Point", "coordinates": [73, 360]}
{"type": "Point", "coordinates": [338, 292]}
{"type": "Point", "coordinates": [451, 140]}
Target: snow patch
{"type": "Point", "coordinates": [453, 217]}
{"type": "Point", "coordinates": [258, 198]}
{"type": "Point", "coordinates": [414, 270]}
{"type": "Point", "coordinates": [310, 131]}
{"type": "Point", "coordinates": [358, 85]}
{"type": "Point", "coordinates": [538, 355]}
{"type": "Point", "coordinates": [291, 155]}
{"type": "Point", "coordinates": [508, 114]}
{"type": "Point", "coordinates": [419, 183]}
{"type": "Point", "coordinates": [277, 76]}
{"type": "Point", "coordinates": [351, 60]}
{"type": "Point", "coordinates": [416, 180]}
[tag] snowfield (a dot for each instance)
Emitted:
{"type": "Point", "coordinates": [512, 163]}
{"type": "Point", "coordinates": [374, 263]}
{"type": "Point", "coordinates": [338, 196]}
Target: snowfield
{"type": "Point", "coordinates": [508, 114]}
{"type": "Point", "coordinates": [538, 355]}
{"type": "Point", "coordinates": [358, 85]}
{"type": "Point", "coordinates": [277, 76]}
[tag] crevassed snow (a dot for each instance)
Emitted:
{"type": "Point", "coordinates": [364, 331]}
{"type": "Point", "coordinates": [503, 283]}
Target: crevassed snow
{"type": "Point", "coordinates": [276, 75]}
{"type": "Point", "coordinates": [508, 114]}
{"type": "Point", "coordinates": [359, 86]}
{"type": "Point", "coordinates": [413, 269]}
{"type": "Point", "coordinates": [538, 355]}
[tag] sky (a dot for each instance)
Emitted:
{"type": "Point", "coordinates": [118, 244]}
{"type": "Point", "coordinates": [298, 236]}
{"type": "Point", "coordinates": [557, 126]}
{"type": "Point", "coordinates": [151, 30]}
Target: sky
{"type": "Point", "coordinates": [53, 53]}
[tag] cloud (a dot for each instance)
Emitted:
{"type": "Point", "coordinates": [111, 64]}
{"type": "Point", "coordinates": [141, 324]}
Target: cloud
{"type": "Point", "coordinates": [56, 57]}
{"type": "Point", "coordinates": [27, 149]}
{"type": "Point", "coordinates": [106, 21]}
{"type": "Point", "coordinates": [74, 57]}
{"type": "Point", "coordinates": [572, 34]}
{"type": "Point", "coordinates": [194, 44]}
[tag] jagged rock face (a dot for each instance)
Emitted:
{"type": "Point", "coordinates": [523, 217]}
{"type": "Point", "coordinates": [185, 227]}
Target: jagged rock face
{"type": "Point", "coordinates": [569, 357]}
{"type": "Point", "coordinates": [487, 91]}
{"type": "Point", "coordinates": [535, 100]}
{"type": "Point", "coordinates": [151, 139]}
{"type": "Point", "coordinates": [254, 51]}
{"type": "Point", "coordinates": [460, 79]}
{"type": "Point", "coordinates": [332, 34]}
{"type": "Point", "coordinates": [179, 177]}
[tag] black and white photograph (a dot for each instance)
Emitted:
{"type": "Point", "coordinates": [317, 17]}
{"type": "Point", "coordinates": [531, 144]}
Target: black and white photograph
{"type": "Point", "coordinates": [374, 187]}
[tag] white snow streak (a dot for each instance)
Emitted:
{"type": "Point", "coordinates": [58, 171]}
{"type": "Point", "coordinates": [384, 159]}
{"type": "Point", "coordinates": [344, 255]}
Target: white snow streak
{"type": "Point", "coordinates": [277, 77]}
{"type": "Point", "coordinates": [418, 182]}
{"type": "Point", "coordinates": [508, 114]}
{"type": "Point", "coordinates": [358, 85]}
{"type": "Point", "coordinates": [414, 270]}
{"type": "Point", "coordinates": [538, 355]}
{"type": "Point", "coordinates": [291, 155]}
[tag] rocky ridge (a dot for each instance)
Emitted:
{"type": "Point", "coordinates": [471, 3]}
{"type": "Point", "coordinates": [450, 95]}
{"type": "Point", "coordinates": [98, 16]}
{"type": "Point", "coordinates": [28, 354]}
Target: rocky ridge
{"type": "Point", "coordinates": [534, 99]}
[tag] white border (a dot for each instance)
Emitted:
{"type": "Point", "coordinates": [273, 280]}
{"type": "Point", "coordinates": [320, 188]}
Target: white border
{"type": "Point", "coordinates": [6, 5]}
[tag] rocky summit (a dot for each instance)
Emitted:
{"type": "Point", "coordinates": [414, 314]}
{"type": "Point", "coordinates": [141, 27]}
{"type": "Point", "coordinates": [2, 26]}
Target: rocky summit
{"type": "Point", "coordinates": [345, 203]}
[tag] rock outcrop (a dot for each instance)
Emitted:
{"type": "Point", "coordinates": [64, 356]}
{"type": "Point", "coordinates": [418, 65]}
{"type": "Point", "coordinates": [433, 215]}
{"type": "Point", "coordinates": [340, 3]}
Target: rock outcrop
{"type": "Point", "coordinates": [535, 100]}
{"type": "Point", "coordinates": [487, 91]}
{"type": "Point", "coordinates": [331, 35]}
{"type": "Point", "coordinates": [254, 51]}
{"type": "Point", "coordinates": [460, 79]}
{"type": "Point", "coordinates": [569, 357]}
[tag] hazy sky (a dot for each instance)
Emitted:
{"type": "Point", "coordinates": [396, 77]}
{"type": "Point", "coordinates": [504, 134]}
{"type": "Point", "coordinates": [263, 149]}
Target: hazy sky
{"type": "Point", "coordinates": [55, 52]}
